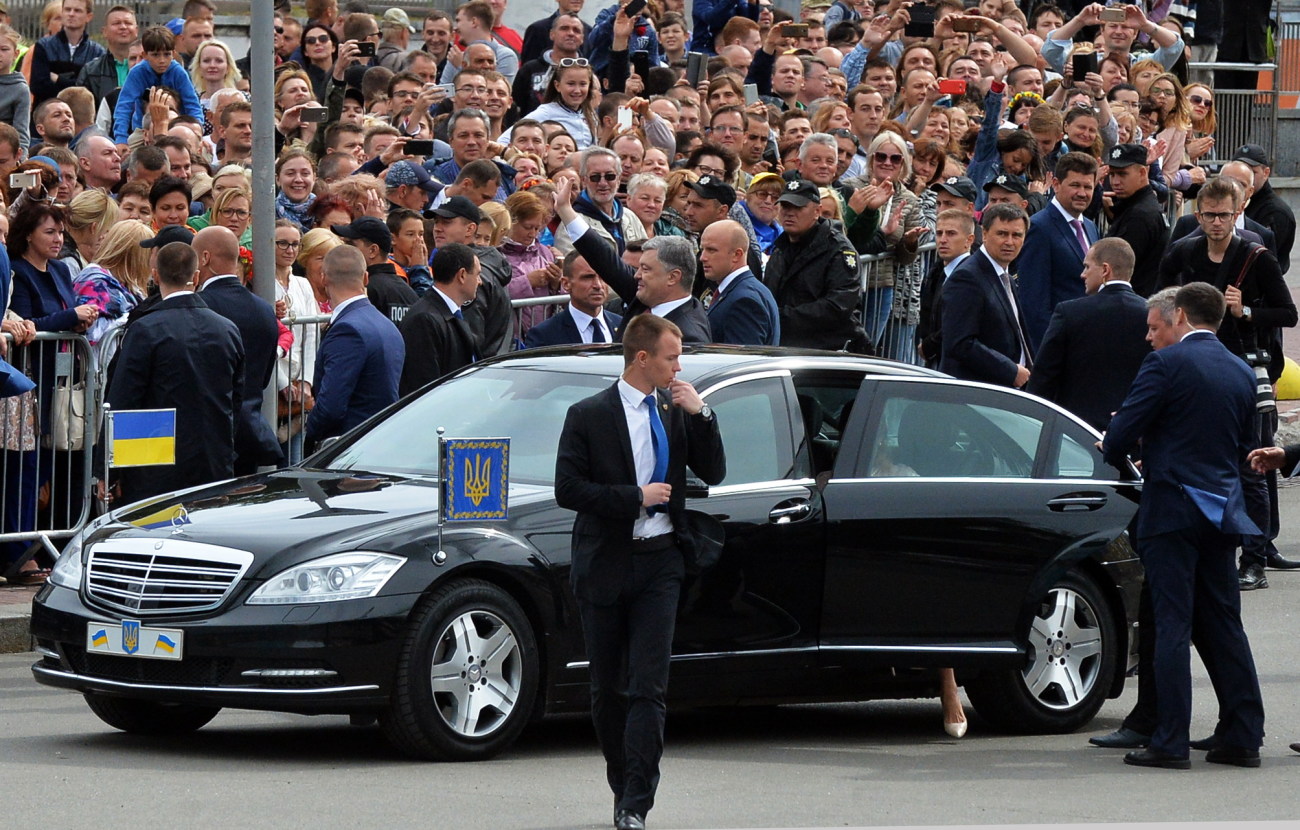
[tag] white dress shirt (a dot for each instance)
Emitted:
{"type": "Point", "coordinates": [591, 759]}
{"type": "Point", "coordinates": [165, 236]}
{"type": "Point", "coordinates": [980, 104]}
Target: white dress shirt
{"type": "Point", "coordinates": [666, 308]}
{"type": "Point", "coordinates": [643, 456]}
{"type": "Point", "coordinates": [583, 321]}
{"type": "Point", "coordinates": [334, 315]}
{"type": "Point", "coordinates": [729, 279]}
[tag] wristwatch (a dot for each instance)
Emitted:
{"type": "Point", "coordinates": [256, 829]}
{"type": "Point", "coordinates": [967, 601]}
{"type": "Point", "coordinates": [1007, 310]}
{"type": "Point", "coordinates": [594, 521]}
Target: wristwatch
{"type": "Point", "coordinates": [706, 412]}
{"type": "Point", "coordinates": [1245, 313]}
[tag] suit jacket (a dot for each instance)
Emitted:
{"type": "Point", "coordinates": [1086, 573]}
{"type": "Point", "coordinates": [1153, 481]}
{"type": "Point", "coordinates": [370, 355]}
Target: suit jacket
{"type": "Point", "coordinates": [436, 342]}
{"type": "Point", "coordinates": [1050, 266]}
{"type": "Point", "coordinates": [596, 476]}
{"type": "Point", "coordinates": [358, 367]}
{"type": "Point", "coordinates": [1192, 406]}
{"type": "Point", "coordinates": [255, 441]}
{"type": "Point", "coordinates": [1271, 210]}
{"type": "Point", "coordinates": [562, 329]}
{"type": "Point", "coordinates": [182, 355]}
{"type": "Point", "coordinates": [980, 338]}
{"type": "Point", "coordinates": [1253, 231]}
{"type": "Point", "coordinates": [690, 317]}
{"type": "Point", "coordinates": [1093, 349]}
{"type": "Point", "coordinates": [929, 331]}
{"type": "Point", "coordinates": [745, 314]}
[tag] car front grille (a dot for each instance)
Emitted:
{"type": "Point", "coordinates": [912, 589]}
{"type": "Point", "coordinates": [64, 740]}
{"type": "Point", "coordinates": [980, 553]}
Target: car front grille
{"type": "Point", "coordinates": [192, 671]}
{"type": "Point", "coordinates": [150, 577]}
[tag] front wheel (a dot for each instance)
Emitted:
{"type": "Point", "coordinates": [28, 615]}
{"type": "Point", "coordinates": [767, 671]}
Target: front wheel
{"type": "Point", "coordinates": [467, 675]}
{"type": "Point", "coordinates": [1070, 668]}
{"type": "Point", "coordinates": [145, 717]}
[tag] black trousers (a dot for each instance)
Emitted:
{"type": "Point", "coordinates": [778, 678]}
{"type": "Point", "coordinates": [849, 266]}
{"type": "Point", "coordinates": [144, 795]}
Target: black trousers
{"type": "Point", "coordinates": [1195, 596]}
{"type": "Point", "coordinates": [629, 644]}
{"type": "Point", "coordinates": [1260, 492]}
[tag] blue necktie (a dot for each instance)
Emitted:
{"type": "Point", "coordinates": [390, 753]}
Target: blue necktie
{"type": "Point", "coordinates": [458, 315]}
{"type": "Point", "coordinates": [597, 333]}
{"type": "Point", "coordinates": [659, 441]}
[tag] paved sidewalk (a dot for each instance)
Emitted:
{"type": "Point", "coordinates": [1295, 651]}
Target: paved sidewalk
{"type": "Point", "coordinates": [15, 612]}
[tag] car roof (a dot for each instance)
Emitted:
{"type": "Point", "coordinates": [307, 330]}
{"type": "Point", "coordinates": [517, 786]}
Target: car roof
{"type": "Point", "coordinates": [702, 361]}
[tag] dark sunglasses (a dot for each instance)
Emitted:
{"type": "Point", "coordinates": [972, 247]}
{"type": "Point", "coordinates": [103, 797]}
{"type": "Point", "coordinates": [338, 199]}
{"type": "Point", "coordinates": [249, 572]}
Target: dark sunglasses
{"type": "Point", "coordinates": [311, 41]}
{"type": "Point", "coordinates": [279, 30]}
{"type": "Point", "coordinates": [1201, 100]}
{"type": "Point", "coordinates": [565, 63]}
{"type": "Point", "coordinates": [840, 132]}
{"type": "Point", "coordinates": [596, 177]}
{"type": "Point", "coordinates": [888, 158]}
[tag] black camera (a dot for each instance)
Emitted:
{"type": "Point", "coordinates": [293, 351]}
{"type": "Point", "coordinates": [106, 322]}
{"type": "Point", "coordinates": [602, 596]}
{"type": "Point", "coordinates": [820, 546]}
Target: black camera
{"type": "Point", "coordinates": [1258, 361]}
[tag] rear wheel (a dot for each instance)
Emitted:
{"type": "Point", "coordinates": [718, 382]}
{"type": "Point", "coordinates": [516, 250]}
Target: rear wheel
{"type": "Point", "coordinates": [147, 717]}
{"type": "Point", "coordinates": [467, 676]}
{"type": "Point", "coordinates": [1071, 665]}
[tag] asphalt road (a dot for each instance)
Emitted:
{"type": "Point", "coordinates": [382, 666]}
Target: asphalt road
{"type": "Point", "coordinates": [886, 763]}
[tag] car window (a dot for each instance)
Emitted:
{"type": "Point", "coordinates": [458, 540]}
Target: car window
{"type": "Point", "coordinates": [528, 407]}
{"type": "Point", "coordinates": [920, 433]}
{"type": "Point", "coordinates": [825, 402]}
{"type": "Point", "coordinates": [1075, 455]}
{"type": "Point", "coordinates": [754, 421]}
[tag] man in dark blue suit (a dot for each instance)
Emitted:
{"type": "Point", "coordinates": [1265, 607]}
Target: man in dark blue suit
{"type": "Point", "coordinates": [1059, 237]}
{"type": "Point", "coordinates": [1095, 345]}
{"type": "Point", "coordinates": [584, 320]}
{"type": "Point", "coordinates": [741, 308]}
{"type": "Point", "coordinates": [983, 330]}
{"type": "Point", "coordinates": [1192, 409]}
{"type": "Point", "coordinates": [221, 290]}
{"type": "Point", "coordinates": [359, 362]}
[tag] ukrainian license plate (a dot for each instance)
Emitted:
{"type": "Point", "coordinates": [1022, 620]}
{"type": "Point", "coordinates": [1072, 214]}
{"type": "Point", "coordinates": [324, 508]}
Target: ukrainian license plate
{"type": "Point", "coordinates": [131, 639]}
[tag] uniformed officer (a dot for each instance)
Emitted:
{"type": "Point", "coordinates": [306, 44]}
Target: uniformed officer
{"type": "Point", "coordinates": [813, 274]}
{"type": "Point", "coordinates": [1136, 215]}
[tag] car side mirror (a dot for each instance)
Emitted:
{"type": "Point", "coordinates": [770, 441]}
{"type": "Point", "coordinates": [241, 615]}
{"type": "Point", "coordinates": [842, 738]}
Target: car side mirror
{"type": "Point", "coordinates": [696, 489]}
{"type": "Point", "coordinates": [328, 442]}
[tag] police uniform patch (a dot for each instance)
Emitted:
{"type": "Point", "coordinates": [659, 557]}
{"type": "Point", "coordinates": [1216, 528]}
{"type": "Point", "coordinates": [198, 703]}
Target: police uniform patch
{"type": "Point", "coordinates": [851, 259]}
{"type": "Point", "coordinates": [792, 185]}
{"type": "Point", "coordinates": [1115, 153]}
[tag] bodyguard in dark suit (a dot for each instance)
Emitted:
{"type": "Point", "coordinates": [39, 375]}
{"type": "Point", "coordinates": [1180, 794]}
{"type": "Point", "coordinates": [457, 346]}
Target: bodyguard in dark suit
{"type": "Point", "coordinates": [359, 362]}
{"type": "Point", "coordinates": [1095, 344]}
{"type": "Point", "coordinates": [1192, 408]}
{"type": "Point", "coordinates": [181, 355]}
{"type": "Point", "coordinates": [221, 290]}
{"type": "Point", "coordinates": [621, 464]}
{"type": "Point", "coordinates": [662, 284]}
{"type": "Point", "coordinates": [954, 233]}
{"type": "Point", "coordinates": [584, 319]}
{"type": "Point", "coordinates": [741, 309]}
{"type": "Point", "coordinates": [1059, 237]}
{"type": "Point", "coordinates": [438, 338]}
{"type": "Point", "coordinates": [983, 330]}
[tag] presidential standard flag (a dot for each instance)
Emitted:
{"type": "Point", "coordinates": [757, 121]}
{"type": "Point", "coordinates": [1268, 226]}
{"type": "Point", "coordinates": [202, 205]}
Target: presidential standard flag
{"type": "Point", "coordinates": [476, 477]}
{"type": "Point", "coordinates": [141, 437]}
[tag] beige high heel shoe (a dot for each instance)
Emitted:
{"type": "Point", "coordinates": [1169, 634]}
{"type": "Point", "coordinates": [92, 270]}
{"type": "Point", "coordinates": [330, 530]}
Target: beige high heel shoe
{"type": "Point", "coordinates": [948, 695]}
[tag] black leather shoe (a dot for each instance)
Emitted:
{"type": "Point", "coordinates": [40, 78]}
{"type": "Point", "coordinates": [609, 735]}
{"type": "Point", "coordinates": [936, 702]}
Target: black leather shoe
{"type": "Point", "coordinates": [1234, 755]}
{"type": "Point", "coordinates": [1278, 562]}
{"type": "Point", "coordinates": [1251, 577]}
{"type": "Point", "coordinates": [1151, 758]}
{"type": "Point", "coordinates": [1122, 738]}
{"type": "Point", "coordinates": [1205, 744]}
{"type": "Point", "coordinates": [1295, 747]}
{"type": "Point", "coordinates": [628, 820]}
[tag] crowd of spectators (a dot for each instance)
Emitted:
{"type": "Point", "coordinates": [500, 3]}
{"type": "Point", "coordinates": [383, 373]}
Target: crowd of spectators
{"type": "Point", "coordinates": [643, 163]}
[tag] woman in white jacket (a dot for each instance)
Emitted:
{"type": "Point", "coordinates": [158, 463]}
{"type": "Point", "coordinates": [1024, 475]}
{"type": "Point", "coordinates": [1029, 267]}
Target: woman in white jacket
{"type": "Point", "coordinates": [569, 99]}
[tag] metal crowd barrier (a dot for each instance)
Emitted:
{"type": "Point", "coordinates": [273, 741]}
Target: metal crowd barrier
{"type": "Point", "coordinates": [48, 438]}
{"type": "Point", "coordinates": [884, 315]}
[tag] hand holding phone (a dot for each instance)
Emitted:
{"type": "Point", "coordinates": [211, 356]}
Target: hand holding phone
{"type": "Point", "coordinates": [634, 8]}
{"type": "Point", "coordinates": [365, 49]}
{"type": "Point", "coordinates": [624, 118]}
{"type": "Point", "coordinates": [952, 87]}
{"type": "Point", "coordinates": [1113, 14]}
{"type": "Point", "coordinates": [27, 179]}
{"type": "Point", "coordinates": [920, 21]}
{"type": "Point", "coordinates": [794, 30]}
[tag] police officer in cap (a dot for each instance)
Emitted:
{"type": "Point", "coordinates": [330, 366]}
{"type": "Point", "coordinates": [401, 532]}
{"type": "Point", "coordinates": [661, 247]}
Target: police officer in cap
{"type": "Point", "coordinates": [813, 274]}
{"type": "Point", "coordinates": [1135, 213]}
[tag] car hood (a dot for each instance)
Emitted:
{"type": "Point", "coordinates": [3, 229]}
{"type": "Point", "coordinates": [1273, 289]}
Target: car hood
{"type": "Point", "coordinates": [276, 512]}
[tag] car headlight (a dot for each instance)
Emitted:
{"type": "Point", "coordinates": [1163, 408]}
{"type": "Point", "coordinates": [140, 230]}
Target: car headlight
{"type": "Point", "coordinates": [67, 568]}
{"type": "Point", "coordinates": [352, 575]}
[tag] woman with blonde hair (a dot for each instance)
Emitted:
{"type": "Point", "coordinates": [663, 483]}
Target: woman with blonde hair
{"type": "Point", "coordinates": [90, 214]}
{"type": "Point", "coordinates": [1143, 73]}
{"type": "Point", "coordinates": [1200, 101]}
{"type": "Point", "coordinates": [831, 115]}
{"type": "Point", "coordinates": [232, 208]}
{"type": "Point", "coordinates": [675, 197]}
{"type": "Point", "coordinates": [893, 284]}
{"type": "Point", "coordinates": [500, 217]}
{"type": "Point", "coordinates": [213, 68]}
{"type": "Point", "coordinates": [1176, 126]}
{"type": "Point", "coordinates": [316, 243]}
{"type": "Point", "coordinates": [363, 194]}
{"type": "Point", "coordinates": [117, 280]}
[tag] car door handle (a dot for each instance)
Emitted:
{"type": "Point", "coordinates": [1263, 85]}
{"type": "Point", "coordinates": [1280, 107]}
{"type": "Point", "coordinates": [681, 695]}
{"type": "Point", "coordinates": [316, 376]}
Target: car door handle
{"type": "Point", "coordinates": [787, 512]}
{"type": "Point", "coordinates": [1078, 501]}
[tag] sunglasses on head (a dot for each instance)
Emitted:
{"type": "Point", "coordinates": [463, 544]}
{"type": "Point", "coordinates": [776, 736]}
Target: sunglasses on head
{"type": "Point", "coordinates": [565, 63]}
{"type": "Point", "coordinates": [888, 158]}
{"type": "Point", "coordinates": [596, 177]}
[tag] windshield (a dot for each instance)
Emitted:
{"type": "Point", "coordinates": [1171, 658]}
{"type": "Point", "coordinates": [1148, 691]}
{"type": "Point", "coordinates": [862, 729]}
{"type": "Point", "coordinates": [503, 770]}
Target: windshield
{"type": "Point", "coordinates": [528, 407]}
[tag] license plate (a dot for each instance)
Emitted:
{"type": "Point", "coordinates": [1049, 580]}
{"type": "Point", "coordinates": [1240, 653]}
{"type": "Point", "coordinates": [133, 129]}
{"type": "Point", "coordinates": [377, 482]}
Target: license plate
{"type": "Point", "coordinates": [131, 639]}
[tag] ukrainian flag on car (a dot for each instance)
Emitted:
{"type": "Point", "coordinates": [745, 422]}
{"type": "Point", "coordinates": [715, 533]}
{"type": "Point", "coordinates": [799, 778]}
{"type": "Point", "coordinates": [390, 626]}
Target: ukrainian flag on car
{"type": "Point", "coordinates": [141, 437]}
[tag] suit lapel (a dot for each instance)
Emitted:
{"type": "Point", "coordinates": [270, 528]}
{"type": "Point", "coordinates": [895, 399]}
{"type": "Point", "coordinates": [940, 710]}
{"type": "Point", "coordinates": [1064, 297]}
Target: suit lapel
{"type": "Point", "coordinates": [1067, 232]}
{"type": "Point", "coordinates": [570, 326]}
{"type": "Point", "coordinates": [614, 402]}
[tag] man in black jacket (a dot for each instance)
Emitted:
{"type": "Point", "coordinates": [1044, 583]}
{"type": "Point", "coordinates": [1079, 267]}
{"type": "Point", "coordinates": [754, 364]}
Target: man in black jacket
{"type": "Point", "coordinates": [438, 338]}
{"type": "Point", "coordinates": [1266, 207]}
{"type": "Point", "coordinates": [1250, 230]}
{"type": "Point", "coordinates": [621, 465]}
{"type": "Point", "coordinates": [489, 316]}
{"type": "Point", "coordinates": [387, 292]}
{"type": "Point", "coordinates": [661, 285]}
{"type": "Point", "coordinates": [1259, 304]}
{"type": "Point", "coordinates": [813, 274]}
{"type": "Point", "coordinates": [1137, 216]}
{"type": "Point", "coordinates": [1094, 345]}
{"type": "Point", "coordinates": [181, 355]}
{"type": "Point", "coordinates": [108, 72]}
{"type": "Point", "coordinates": [220, 289]}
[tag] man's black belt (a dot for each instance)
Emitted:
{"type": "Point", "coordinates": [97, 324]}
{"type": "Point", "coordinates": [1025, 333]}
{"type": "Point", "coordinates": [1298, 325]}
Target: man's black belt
{"type": "Point", "coordinates": [663, 541]}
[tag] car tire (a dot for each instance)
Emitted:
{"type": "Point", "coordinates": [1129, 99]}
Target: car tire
{"type": "Point", "coordinates": [1058, 690]}
{"type": "Point", "coordinates": [466, 677]}
{"type": "Point", "coordinates": [147, 717]}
